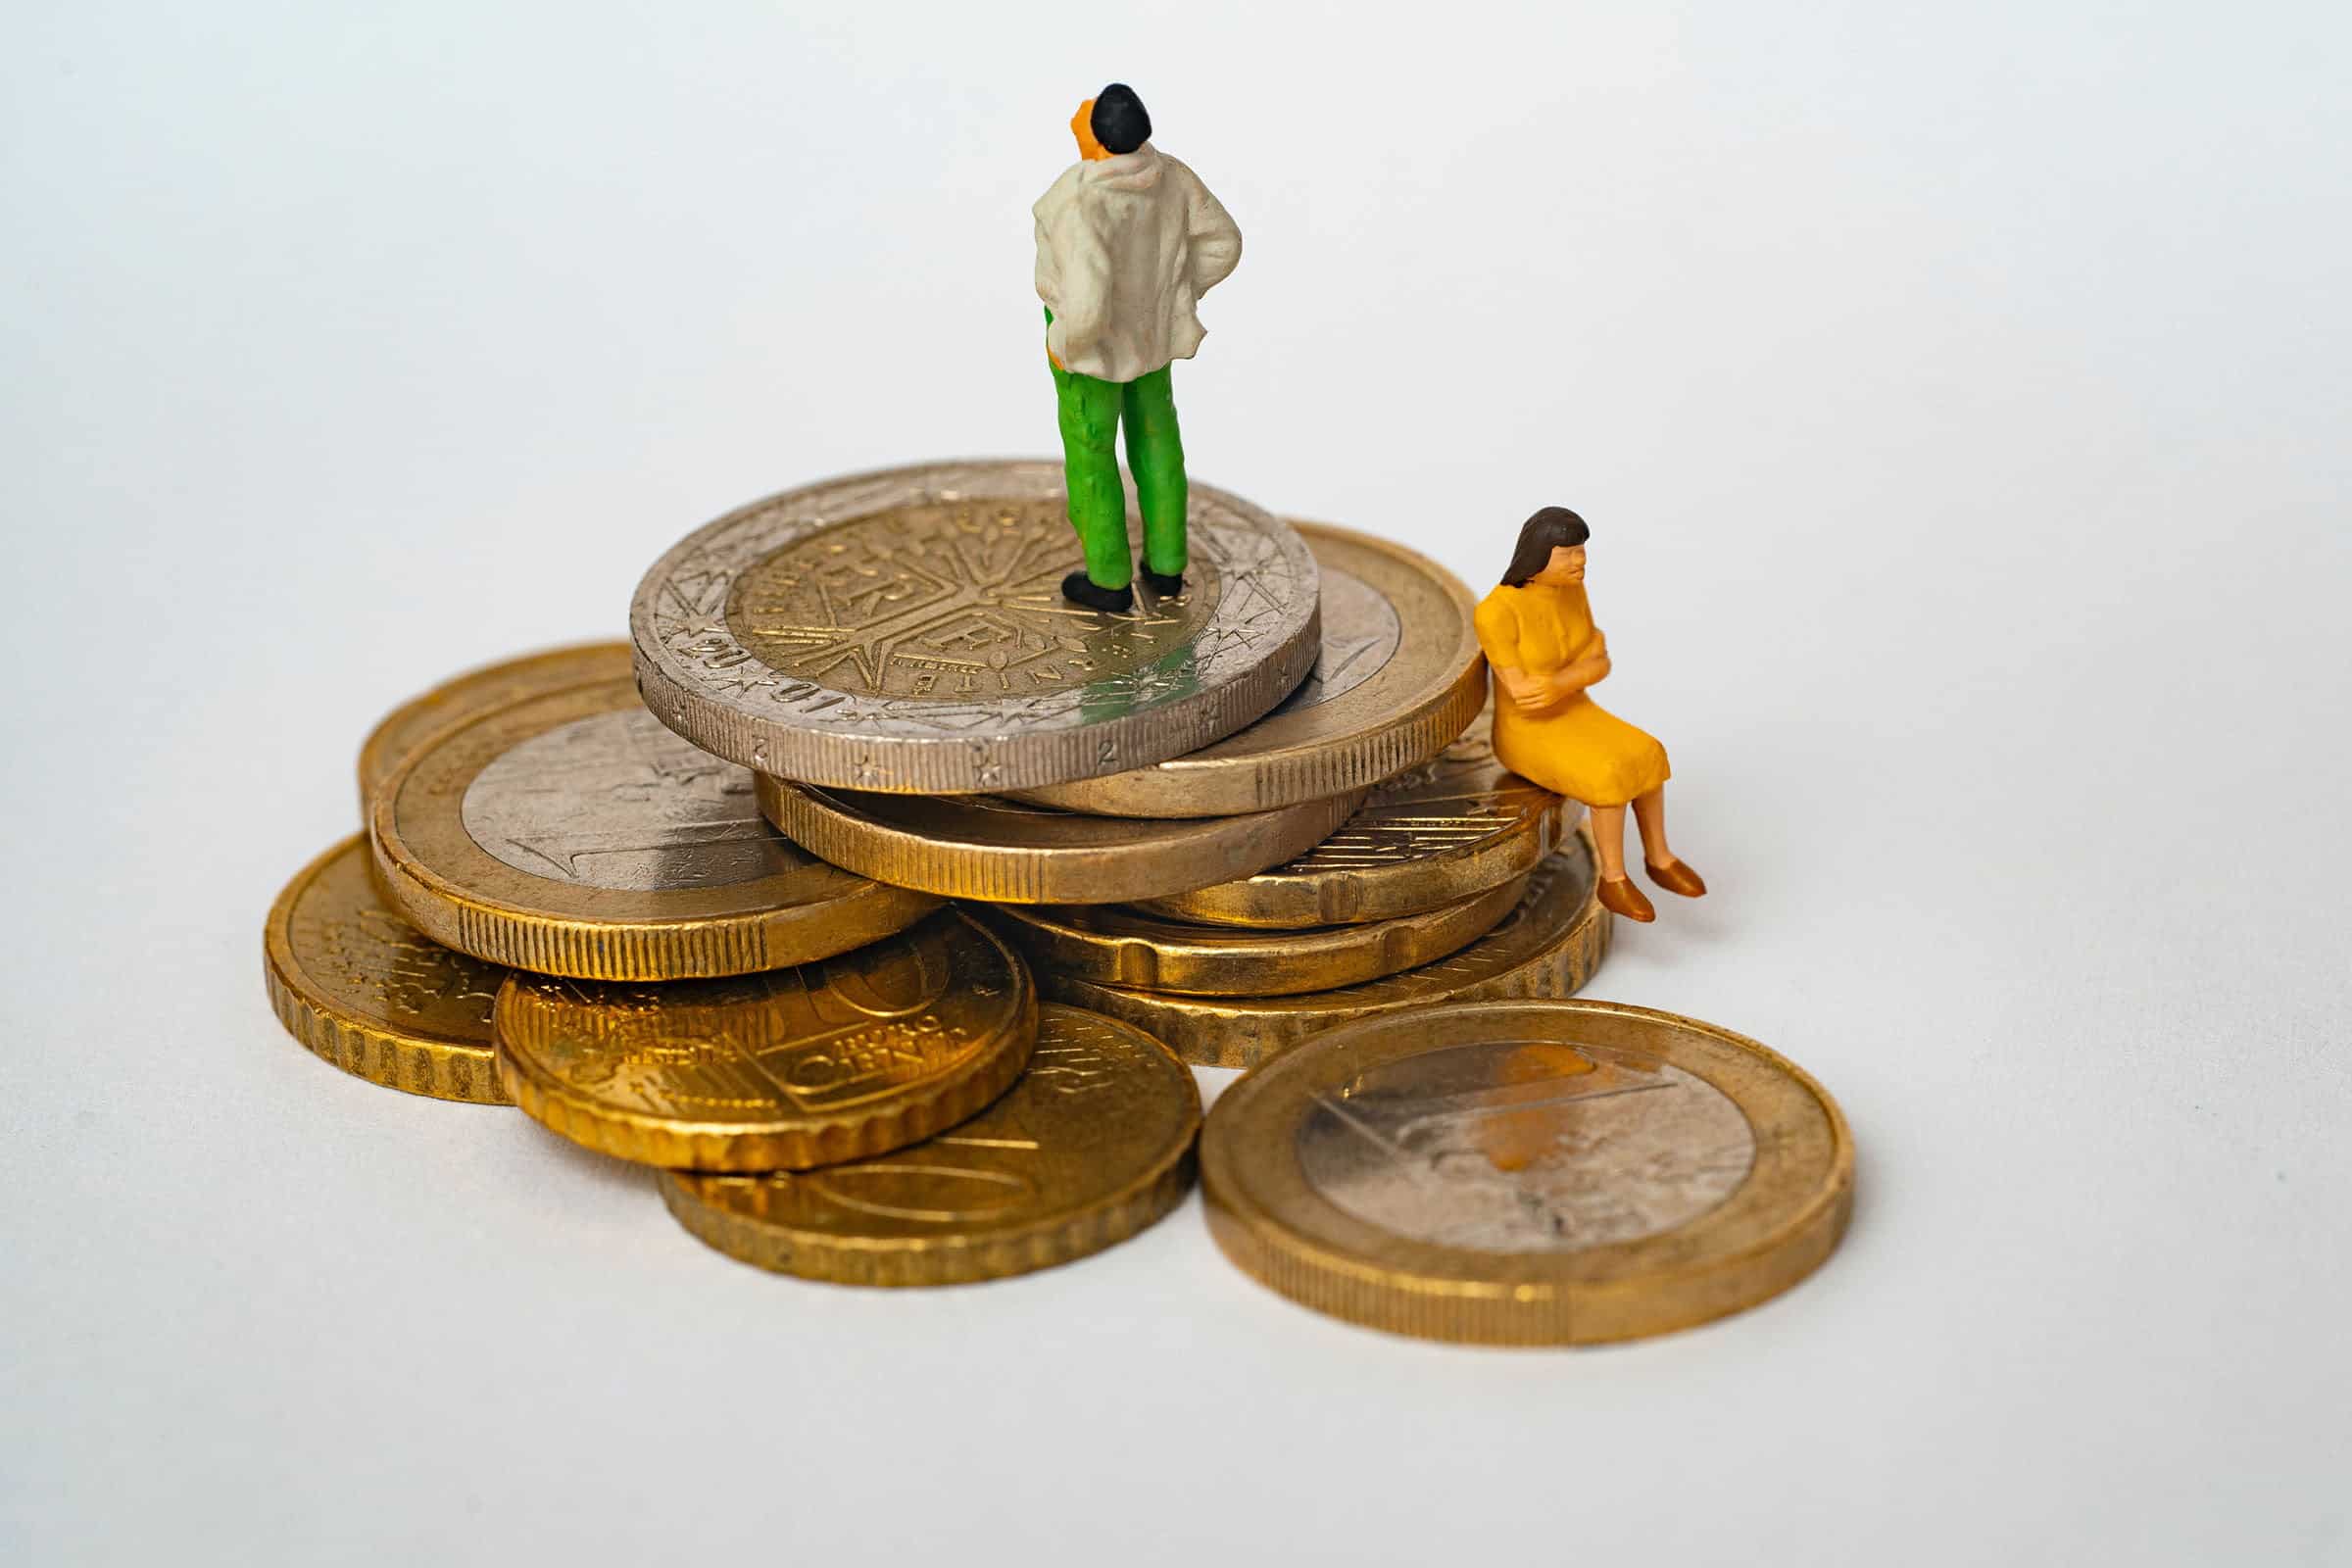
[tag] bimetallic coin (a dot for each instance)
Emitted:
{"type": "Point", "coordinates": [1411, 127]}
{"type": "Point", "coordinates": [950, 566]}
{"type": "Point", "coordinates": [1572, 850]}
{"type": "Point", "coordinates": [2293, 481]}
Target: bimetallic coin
{"type": "Point", "coordinates": [476, 690]}
{"type": "Point", "coordinates": [859, 1054]}
{"type": "Point", "coordinates": [1437, 833]}
{"type": "Point", "coordinates": [988, 846]}
{"type": "Point", "coordinates": [1547, 946]}
{"type": "Point", "coordinates": [1529, 1173]}
{"type": "Point", "coordinates": [1398, 676]}
{"type": "Point", "coordinates": [906, 631]}
{"type": "Point", "coordinates": [1091, 1145]}
{"type": "Point", "coordinates": [570, 834]}
{"type": "Point", "coordinates": [1116, 944]}
{"type": "Point", "coordinates": [364, 990]}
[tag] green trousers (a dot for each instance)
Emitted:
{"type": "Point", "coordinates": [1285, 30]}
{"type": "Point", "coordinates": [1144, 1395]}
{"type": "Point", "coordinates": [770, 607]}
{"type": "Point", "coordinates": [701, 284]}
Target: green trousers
{"type": "Point", "coordinates": [1090, 410]}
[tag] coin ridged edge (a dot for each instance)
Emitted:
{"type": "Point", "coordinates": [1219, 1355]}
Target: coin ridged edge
{"type": "Point", "coordinates": [434, 1069]}
{"type": "Point", "coordinates": [999, 874]}
{"type": "Point", "coordinates": [1556, 972]}
{"type": "Point", "coordinates": [946, 1260]}
{"type": "Point", "coordinates": [1285, 780]}
{"type": "Point", "coordinates": [732, 1147]}
{"type": "Point", "coordinates": [1138, 962]}
{"type": "Point", "coordinates": [947, 765]}
{"type": "Point", "coordinates": [694, 948]}
{"type": "Point", "coordinates": [1336, 896]}
{"type": "Point", "coordinates": [1525, 1313]}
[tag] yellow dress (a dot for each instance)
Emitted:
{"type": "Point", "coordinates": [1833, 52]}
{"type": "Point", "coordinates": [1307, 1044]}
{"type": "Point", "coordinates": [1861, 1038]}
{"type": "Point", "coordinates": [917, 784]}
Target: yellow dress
{"type": "Point", "coordinates": [1577, 749]}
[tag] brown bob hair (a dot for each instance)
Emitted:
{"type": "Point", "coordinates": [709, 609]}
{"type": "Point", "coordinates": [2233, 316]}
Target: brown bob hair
{"type": "Point", "coordinates": [1547, 529]}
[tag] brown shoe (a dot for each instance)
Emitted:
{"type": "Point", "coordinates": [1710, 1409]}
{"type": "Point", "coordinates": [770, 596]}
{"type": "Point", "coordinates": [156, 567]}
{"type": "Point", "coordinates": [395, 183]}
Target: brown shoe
{"type": "Point", "coordinates": [1676, 877]}
{"type": "Point", "coordinates": [1619, 895]}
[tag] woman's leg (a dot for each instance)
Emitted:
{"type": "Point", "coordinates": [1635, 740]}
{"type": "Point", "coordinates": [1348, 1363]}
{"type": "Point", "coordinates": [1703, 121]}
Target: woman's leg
{"type": "Point", "coordinates": [1649, 816]}
{"type": "Point", "coordinates": [1609, 833]}
{"type": "Point", "coordinates": [1617, 894]}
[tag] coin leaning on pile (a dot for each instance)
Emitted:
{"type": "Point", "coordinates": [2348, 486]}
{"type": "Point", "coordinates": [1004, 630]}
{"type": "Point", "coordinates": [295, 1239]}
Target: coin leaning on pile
{"type": "Point", "coordinates": [1548, 945]}
{"type": "Point", "coordinates": [1441, 831]}
{"type": "Point", "coordinates": [853, 1057]}
{"type": "Point", "coordinates": [1091, 1145]}
{"type": "Point", "coordinates": [1117, 946]}
{"type": "Point", "coordinates": [354, 981]}
{"type": "Point", "coordinates": [567, 833]}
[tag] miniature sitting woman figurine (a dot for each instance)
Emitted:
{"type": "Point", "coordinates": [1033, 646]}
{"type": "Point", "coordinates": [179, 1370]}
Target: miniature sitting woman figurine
{"type": "Point", "coordinates": [1538, 633]}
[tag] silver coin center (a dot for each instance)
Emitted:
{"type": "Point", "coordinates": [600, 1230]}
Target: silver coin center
{"type": "Point", "coordinates": [618, 801]}
{"type": "Point", "coordinates": [1526, 1146]}
{"type": "Point", "coordinates": [1361, 631]}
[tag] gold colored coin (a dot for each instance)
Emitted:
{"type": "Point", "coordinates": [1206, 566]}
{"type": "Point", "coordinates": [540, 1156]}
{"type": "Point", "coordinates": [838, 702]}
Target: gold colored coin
{"type": "Point", "coordinates": [854, 1056]}
{"type": "Point", "coordinates": [476, 690]}
{"type": "Point", "coordinates": [570, 834]}
{"type": "Point", "coordinates": [1117, 945]}
{"type": "Point", "coordinates": [364, 990]}
{"type": "Point", "coordinates": [1528, 1173]}
{"type": "Point", "coordinates": [1398, 676]}
{"type": "Point", "coordinates": [1006, 852]}
{"type": "Point", "coordinates": [1093, 1144]}
{"type": "Point", "coordinates": [1442, 831]}
{"type": "Point", "coordinates": [1547, 946]}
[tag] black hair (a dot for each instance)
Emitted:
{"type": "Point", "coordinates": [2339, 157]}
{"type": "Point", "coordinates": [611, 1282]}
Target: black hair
{"type": "Point", "coordinates": [1546, 529]}
{"type": "Point", "coordinates": [1120, 123]}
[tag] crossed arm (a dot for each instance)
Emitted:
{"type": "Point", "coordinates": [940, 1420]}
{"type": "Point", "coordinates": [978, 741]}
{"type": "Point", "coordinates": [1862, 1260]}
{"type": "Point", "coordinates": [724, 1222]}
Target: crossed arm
{"type": "Point", "coordinates": [1531, 693]}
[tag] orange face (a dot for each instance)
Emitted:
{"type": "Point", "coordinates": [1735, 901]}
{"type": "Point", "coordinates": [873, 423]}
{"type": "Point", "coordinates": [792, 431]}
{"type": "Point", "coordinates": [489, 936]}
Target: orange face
{"type": "Point", "coordinates": [1082, 127]}
{"type": "Point", "coordinates": [1566, 566]}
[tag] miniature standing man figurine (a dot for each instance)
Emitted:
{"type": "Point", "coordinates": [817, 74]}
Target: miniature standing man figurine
{"type": "Point", "coordinates": [1128, 240]}
{"type": "Point", "coordinates": [1537, 629]}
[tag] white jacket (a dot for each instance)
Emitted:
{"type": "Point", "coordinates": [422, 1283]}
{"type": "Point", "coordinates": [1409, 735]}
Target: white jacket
{"type": "Point", "coordinates": [1125, 245]}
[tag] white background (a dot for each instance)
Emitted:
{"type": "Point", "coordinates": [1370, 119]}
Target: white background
{"type": "Point", "coordinates": [1959, 397]}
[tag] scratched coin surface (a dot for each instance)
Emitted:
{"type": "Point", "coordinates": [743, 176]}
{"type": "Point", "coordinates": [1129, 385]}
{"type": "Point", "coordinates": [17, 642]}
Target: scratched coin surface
{"type": "Point", "coordinates": [1008, 852]}
{"type": "Point", "coordinates": [1438, 832]}
{"type": "Point", "coordinates": [478, 690]}
{"type": "Point", "coordinates": [1091, 1145]}
{"type": "Point", "coordinates": [1529, 1173]}
{"type": "Point", "coordinates": [1119, 945]}
{"type": "Point", "coordinates": [1399, 675]}
{"type": "Point", "coordinates": [366, 990]}
{"type": "Point", "coordinates": [1547, 946]}
{"type": "Point", "coordinates": [568, 833]}
{"type": "Point", "coordinates": [904, 631]}
{"type": "Point", "coordinates": [812, 1066]}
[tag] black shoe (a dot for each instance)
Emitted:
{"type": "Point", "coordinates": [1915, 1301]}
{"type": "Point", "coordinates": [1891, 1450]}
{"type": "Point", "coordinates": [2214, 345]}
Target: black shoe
{"type": "Point", "coordinates": [1080, 589]}
{"type": "Point", "coordinates": [1164, 587]}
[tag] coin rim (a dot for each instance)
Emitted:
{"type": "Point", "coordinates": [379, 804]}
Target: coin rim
{"type": "Point", "coordinates": [361, 1045]}
{"type": "Point", "coordinates": [1428, 1291]}
{"type": "Point", "coordinates": [1442, 693]}
{"type": "Point", "coordinates": [788, 1141]}
{"type": "Point", "coordinates": [1280, 899]}
{"type": "Point", "coordinates": [462, 695]}
{"type": "Point", "coordinates": [967, 1256]}
{"type": "Point", "coordinates": [1219, 1031]}
{"type": "Point", "coordinates": [959, 765]}
{"type": "Point", "coordinates": [424, 870]}
{"type": "Point", "coordinates": [1196, 849]}
{"type": "Point", "coordinates": [1139, 951]}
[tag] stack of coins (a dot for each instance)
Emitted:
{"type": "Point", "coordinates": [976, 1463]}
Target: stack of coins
{"type": "Point", "coordinates": [560, 905]}
{"type": "Point", "coordinates": [891, 655]}
{"type": "Point", "coordinates": [873, 891]}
